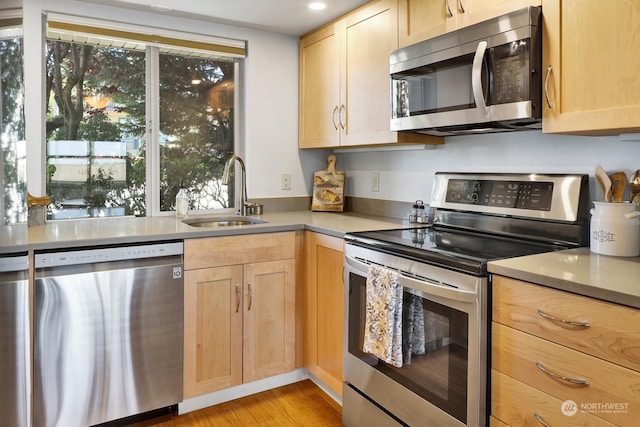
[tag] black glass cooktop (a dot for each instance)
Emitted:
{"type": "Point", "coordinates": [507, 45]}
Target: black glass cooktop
{"type": "Point", "coordinates": [463, 251]}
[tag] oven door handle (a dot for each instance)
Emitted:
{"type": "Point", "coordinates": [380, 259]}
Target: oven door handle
{"type": "Point", "coordinates": [442, 291]}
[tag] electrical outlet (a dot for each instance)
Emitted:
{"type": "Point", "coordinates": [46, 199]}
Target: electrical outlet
{"type": "Point", "coordinates": [375, 182]}
{"type": "Point", "coordinates": [286, 181]}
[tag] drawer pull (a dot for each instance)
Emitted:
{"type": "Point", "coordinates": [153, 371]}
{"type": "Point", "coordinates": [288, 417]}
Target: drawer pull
{"type": "Point", "coordinates": [561, 377]}
{"type": "Point", "coordinates": [540, 420]}
{"type": "Point", "coordinates": [567, 322]}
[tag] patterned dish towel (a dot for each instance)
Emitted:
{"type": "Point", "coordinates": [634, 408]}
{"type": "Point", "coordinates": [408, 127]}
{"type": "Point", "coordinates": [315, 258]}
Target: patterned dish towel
{"type": "Point", "coordinates": [383, 322]}
{"type": "Point", "coordinates": [414, 342]}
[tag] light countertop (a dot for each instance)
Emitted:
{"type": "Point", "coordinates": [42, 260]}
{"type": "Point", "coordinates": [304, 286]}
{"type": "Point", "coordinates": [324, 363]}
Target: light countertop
{"type": "Point", "coordinates": [614, 279]}
{"type": "Point", "coordinates": [580, 271]}
{"type": "Point", "coordinates": [125, 230]}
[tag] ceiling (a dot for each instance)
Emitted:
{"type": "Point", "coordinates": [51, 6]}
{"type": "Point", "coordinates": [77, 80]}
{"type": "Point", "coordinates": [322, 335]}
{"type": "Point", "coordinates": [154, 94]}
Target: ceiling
{"type": "Point", "coordinates": [281, 16]}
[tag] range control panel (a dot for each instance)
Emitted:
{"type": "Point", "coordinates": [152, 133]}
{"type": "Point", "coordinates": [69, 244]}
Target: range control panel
{"type": "Point", "coordinates": [508, 194]}
{"type": "Point", "coordinates": [558, 197]}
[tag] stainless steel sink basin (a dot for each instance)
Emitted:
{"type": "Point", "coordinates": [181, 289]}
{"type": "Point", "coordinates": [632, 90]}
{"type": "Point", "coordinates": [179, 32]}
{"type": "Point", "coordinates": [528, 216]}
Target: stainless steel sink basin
{"type": "Point", "coordinates": [223, 221]}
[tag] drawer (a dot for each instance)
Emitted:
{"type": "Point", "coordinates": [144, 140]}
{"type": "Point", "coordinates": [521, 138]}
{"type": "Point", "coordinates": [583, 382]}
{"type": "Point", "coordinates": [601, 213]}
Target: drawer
{"type": "Point", "coordinates": [515, 353]}
{"type": "Point", "coordinates": [613, 333]}
{"type": "Point", "coordinates": [231, 250]}
{"type": "Point", "coordinates": [494, 422]}
{"type": "Point", "coordinates": [516, 404]}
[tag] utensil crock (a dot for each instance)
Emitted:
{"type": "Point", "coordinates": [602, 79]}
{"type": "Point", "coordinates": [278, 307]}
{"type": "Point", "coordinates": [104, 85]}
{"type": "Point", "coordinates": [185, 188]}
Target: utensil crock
{"type": "Point", "coordinates": [613, 232]}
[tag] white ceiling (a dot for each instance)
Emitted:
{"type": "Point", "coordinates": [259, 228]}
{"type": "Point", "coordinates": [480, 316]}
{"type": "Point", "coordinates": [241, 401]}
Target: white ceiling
{"type": "Point", "coordinates": [282, 16]}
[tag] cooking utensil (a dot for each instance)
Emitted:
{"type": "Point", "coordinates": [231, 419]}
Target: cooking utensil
{"type": "Point", "coordinates": [605, 182]}
{"type": "Point", "coordinates": [618, 185]}
{"type": "Point", "coordinates": [634, 187]}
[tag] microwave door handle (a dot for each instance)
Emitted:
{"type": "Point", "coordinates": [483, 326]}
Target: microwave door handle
{"type": "Point", "coordinates": [476, 77]}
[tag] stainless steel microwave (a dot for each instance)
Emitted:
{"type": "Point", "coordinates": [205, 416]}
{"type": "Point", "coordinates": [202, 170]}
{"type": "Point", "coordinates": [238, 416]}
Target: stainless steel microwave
{"type": "Point", "coordinates": [483, 78]}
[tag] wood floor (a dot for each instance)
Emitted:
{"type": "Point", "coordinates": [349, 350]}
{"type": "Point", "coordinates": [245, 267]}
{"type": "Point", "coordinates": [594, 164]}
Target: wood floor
{"type": "Point", "coordinates": [298, 404]}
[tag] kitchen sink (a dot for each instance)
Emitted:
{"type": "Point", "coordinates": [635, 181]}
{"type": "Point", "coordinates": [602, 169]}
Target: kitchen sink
{"type": "Point", "coordinates": [222, 221]}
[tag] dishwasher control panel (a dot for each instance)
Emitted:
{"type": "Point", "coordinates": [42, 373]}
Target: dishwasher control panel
{"type": "Point", "coordinates": [119, 253]}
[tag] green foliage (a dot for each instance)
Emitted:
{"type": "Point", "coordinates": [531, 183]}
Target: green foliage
{"type": "Point", "coordinates": [12, 129]}
{"type": "Point", "coordinates": [196, 140]}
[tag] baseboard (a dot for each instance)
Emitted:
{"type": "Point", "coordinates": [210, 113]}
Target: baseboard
{"type": "Point", "coordinates": [332, 394]}
{"type": "Point", "coordinates": [243, 390]}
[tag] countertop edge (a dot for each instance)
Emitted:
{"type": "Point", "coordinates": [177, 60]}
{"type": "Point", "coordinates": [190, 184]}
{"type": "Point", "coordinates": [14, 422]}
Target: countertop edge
{"type": "Point", "coordinates": [604, 286]}
{"type": "Point", "coordinates": [60, 235]}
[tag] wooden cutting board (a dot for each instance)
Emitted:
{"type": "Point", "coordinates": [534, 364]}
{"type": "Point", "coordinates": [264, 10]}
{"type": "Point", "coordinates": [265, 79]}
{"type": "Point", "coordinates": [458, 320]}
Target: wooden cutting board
{"type": "Point", "coordinates": [328, 188]}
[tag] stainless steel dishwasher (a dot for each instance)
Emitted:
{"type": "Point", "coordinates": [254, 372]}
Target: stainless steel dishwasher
{"type": "Point", "coordinates": [14, 340]}
{"type": "Point", "coordinates": [108, 333]}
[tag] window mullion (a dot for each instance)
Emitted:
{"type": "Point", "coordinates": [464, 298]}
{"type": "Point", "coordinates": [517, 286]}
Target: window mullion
{"type": "Point", "coordinates": [153, 130]}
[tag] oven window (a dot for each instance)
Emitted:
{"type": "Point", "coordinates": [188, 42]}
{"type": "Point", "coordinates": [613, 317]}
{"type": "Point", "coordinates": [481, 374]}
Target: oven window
{"type": "Point", "coordinates": [435, 349]}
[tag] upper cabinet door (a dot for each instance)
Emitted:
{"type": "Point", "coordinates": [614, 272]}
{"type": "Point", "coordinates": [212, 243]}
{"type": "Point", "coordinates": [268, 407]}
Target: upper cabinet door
{"type": "Point", "coordinates": [473, 11]}
{"type": "Point", "coordinates": [591, 64]}
{"type": "Point", "coordinates": [319, 95]}
{"type": "Point", "coordinates": [369, 37]}
{"type": "Point", "coordinates": [420, 20]}
{"type": "Point", "coordinates": [423, 19]}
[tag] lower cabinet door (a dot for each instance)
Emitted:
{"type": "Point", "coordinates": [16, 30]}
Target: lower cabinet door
{"type": "Point", "coordinates": [269, 319]}
{"type": "Point", "coordinates": [213, 330]}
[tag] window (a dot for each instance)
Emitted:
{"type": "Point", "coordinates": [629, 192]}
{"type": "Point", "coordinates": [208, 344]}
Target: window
{"type": "Point", "coordinates": [13, 168]}
{"type": "Point", "coordinates": [131, 120]}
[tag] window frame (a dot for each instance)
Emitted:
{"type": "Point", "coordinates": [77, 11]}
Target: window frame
{"type": "Point", "coordinates": [168, 39]}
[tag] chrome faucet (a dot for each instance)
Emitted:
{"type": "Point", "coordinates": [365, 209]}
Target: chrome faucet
{"type": "Point", "coordinates": [225, 181]}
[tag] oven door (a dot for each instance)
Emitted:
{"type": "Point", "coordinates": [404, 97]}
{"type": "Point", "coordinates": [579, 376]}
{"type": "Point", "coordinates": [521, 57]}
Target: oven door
{"type": "Point", "coordinates": [443, 377]}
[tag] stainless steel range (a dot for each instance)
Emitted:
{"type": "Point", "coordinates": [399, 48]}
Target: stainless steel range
{"type": "Point", "coordinates": [438, 376]}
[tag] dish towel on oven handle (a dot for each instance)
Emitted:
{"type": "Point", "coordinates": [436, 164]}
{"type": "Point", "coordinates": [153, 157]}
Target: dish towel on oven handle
{"type": "Point", "coordinates": [414, 326]}
{"type": "Point", "coordinates": [383, 317]}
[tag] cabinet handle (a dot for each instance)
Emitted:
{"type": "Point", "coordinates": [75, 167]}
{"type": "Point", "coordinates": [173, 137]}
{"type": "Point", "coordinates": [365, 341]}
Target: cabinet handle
{"type": "Point", "coordinates": [461, 6]}
{"type": "Point", "coordinates": [237, 297]}
{"type": "Point", "coordinates": [343, 113]}
{"type": "Point", "coordinates": [546, 88]}
{"type": "Point", "coordinates": [449, 12]}
{"type": "Point", "coordinates": [568, 322]}
{"type": "Point", "coordinates": [335, 113]}
{"type": "Point", "coordinates": [540, 420]}
{"type": "Point", "coordinates": [561, 377]}
{"type": "Point", "coordinates": [250, 296]}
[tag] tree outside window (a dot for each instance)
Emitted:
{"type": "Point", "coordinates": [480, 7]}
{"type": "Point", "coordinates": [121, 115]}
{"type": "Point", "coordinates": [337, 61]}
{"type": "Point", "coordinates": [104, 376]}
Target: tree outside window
{"type": "Point", "coordinates": [12, 128]}
{"type": "Point", "coordinates": [97, 127]}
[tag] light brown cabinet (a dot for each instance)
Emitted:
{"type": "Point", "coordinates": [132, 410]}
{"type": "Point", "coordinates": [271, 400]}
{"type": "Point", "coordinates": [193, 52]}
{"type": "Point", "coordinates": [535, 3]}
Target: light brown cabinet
{"type": "Point", "coordinates": [240, 313]}
{"type": "Point", "coordinates": [591, 62]}
{"type": "Point", "coordinates": [423, 19]}
{"type": "Point", "coordinates": [324, 308]}
{"type": "Point", "coordinates": [344, 81]}
{"type": "Point", "coordinates": [550, 347]}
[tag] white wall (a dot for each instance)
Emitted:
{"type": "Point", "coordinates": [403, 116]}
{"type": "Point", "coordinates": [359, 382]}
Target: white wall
{"type": "Point", "coordinates": [271, 96]}
{"type": "Point", "coordinates": [407, 175]}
